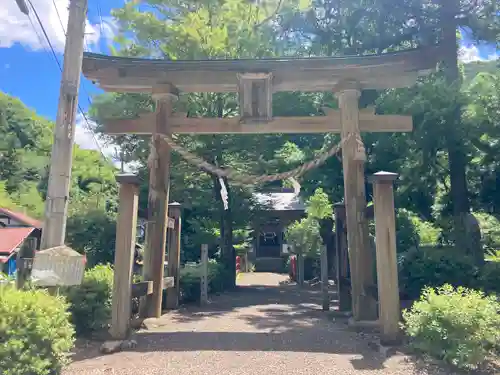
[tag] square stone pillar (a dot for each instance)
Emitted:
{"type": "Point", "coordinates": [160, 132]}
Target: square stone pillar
{"type": "Point", "coordinates": [387, 268]}
{"type": "Point", "coordinates": [342, 259]}
{"type": "Point", "coordinates": [126, 227]}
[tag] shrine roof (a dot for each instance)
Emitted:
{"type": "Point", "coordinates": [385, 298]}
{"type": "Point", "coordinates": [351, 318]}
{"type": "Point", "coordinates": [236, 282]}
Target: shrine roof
{"type": "Point", "coordinates": [390, 70]}
{"type": "Point", "coordinates": [280, 201]}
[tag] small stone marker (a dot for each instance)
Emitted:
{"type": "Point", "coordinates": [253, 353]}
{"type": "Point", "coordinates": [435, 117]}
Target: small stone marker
{"type": "Point", "coordinates": [204, 275]}
{"type": "Point", "coordinates": [58, 266]}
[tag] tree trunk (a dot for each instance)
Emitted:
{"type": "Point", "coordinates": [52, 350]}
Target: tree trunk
{"type": "Point", "coordinates": [328, 237]}
{"type": "Point", "coordinates": [229, 250]}
{"type": "Point", "coordinates": [228, 254]}
{"type": "Point", "coordinates": [457, 158]}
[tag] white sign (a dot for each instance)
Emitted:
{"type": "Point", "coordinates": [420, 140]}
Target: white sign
{"type": "Point", "coordinates": [223, 194]}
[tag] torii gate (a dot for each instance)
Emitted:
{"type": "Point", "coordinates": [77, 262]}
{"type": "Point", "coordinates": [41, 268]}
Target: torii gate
{"type": "Point", "coordinates": [256, 81]}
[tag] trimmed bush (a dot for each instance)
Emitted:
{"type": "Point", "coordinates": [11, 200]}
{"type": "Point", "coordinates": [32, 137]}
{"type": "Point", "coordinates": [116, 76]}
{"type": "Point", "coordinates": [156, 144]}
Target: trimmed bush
{"type": "Point", "coordinates": [459, 326]}
{"type": "Point", "coordinates": [434, 267]}
{"type": "Point", "coordinates": [190, 280]}
{"type": "Point", "coordinates": [35, 331]}
{"type": "Point", "coordinates": [90, 302]}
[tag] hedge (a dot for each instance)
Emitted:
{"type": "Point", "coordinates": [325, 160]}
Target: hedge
{"type": "Point", "coordinates": [35, 331]}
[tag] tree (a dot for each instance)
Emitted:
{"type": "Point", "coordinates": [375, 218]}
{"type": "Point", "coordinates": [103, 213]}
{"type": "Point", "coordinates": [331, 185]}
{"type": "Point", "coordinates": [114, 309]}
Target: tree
{"type": "Point", "coordinates": [25, 144]}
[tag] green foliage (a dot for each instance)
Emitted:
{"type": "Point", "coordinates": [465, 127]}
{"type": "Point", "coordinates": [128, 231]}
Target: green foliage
{"type": "Point", "coordinates": [99, 247]}
{"type": "Point", "coordinates": [36, 335]}
{"type": "Point", "coordinates": [490, 230]}
{"type": "Point", "coordinates": [304, 235]}
{"type": "Point", "coordinates": [459, 326]}
{"type": "Point", "coordinates": [493, 256]}
{"type": "Point", "coordinates": [489, 278]}
{"type": "Point", "coordinates": [191, 276]}
{"type": "Point", "coordinates": [407, 236]}
{"type": "Point", "coordinates": [434, 267]}
{"type": "Point", "coordinates": [90, 302]}
{"type": "Point", "coordinates": [318, 206]}
{"type": "Point", "coordinates": [412, 232]}
{"type": "Point", "coordinates": [427, 232]}
{"type": "Point", "coordinates": [25, 146]}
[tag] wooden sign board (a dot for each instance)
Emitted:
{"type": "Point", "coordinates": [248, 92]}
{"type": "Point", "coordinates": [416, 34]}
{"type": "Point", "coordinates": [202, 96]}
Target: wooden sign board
{"type": "Point", "coordinates": [171, 223]}
{"type": "Point", "coordinates": [58, 266]}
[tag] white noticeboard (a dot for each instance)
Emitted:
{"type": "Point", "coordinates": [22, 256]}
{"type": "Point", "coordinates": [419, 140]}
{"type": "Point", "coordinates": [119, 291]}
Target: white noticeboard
{"type": "Point", "coordinates": [59, 266]}
{"type": "Point", "coordinates": [286, 249]}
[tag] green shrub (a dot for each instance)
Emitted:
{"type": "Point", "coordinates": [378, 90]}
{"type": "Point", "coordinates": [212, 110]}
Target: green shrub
{"type": "Point", "coordinates": [489, 278]}
{"type": "Point", "coordinates": [100, 246]}
{"type": "Point", "coordinates": [190, 280]}
{"type": "Point", "coordinates": [406, 231]}
{"type": "Point", "coordinates": [90, 302]}
{"type": "Point", "coordinates": [459, 326]}
{"type": "Point", "coordinates": [434, 267]}
{"type": "Point", "coordinates": [493, 255]}
{"type": "Point", "coordinates": [490, 230]}
{"type": "Point", "coordinates": [35, 331]}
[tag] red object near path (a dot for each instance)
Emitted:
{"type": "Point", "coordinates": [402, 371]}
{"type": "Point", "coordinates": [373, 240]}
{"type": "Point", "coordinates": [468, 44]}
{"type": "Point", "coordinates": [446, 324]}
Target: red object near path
{"type": "Point", "coordinates": [238, 263]}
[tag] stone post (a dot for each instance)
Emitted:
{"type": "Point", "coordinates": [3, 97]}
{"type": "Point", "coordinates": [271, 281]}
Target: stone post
{"type": "Point", "coordinates": [126, 227]}
{"type": "Point", "coordinates": [342, 259]}
{"type": "Point", "coordinates": [204, 275]}
{"type": "Point", "coordinates": [387, 269]}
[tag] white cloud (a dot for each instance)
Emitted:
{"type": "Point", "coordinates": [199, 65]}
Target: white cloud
{"type": "Point", "coordinates": [85, 138]}
{"type": "Point", "coordinates": [89, 141]}
{"type": "Point", "coordinates": [15, 27]}
{"type": "Point", "coordinates": [470, 53]}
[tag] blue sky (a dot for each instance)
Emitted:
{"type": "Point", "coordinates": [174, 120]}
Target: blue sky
{"type": "Point", "coordinates": [28, 69]}
{"type": "Point", "coordinates": [29, 72]}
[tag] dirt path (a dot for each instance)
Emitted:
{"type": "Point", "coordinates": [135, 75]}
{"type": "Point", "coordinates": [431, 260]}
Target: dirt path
{"type": "Point", "coordinates": [264, 328]}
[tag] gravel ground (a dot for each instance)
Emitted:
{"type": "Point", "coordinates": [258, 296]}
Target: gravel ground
{"type": "Point", "coordinates": [266, 327]}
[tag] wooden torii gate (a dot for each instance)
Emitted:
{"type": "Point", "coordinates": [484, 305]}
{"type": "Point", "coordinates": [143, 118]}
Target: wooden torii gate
{"type": "Point", "coordinates": [256, 81]}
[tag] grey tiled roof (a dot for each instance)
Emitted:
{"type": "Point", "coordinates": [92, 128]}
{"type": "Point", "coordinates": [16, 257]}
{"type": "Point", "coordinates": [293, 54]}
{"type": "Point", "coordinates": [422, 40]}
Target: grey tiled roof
{"type": "Point", "coordinates": [280, 201]}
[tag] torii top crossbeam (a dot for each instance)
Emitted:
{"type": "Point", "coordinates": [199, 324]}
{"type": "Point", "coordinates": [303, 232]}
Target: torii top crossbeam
{"type": "Point", "coordinates": [391, 70]}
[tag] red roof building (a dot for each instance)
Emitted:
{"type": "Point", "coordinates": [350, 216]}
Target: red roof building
{"type": "Point", "coordinates": [11, 239]}
{"type": "Point", "coordinates": [15, 229]}
{"type": "Point", "coordinates": [19, 218]}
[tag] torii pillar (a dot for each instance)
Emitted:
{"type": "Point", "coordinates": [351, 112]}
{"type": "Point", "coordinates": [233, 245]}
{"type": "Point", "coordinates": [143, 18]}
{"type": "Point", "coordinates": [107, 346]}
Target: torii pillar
{"type": "Point", "coordinates": [361, 257]}
{"type": "Point", "coordinates": [159, 185]}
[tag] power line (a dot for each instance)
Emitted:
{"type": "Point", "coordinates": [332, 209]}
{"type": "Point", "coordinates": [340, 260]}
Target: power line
{"type": "Point", "coordinates": [64, 31]}
{"type": "Point", "coordinates": [59, 17]}
{"type": "Point", "coordinates": [87, 123]}
{"type": "Point", "coordinates": [99, 13]}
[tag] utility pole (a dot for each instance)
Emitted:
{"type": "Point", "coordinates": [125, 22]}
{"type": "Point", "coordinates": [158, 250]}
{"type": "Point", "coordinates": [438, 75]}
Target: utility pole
{"type": "Point", "coordinates": [56, 205]}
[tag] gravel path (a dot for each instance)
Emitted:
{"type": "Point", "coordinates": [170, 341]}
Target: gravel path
{"type": "Point", "coordinates": [267, 328]}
